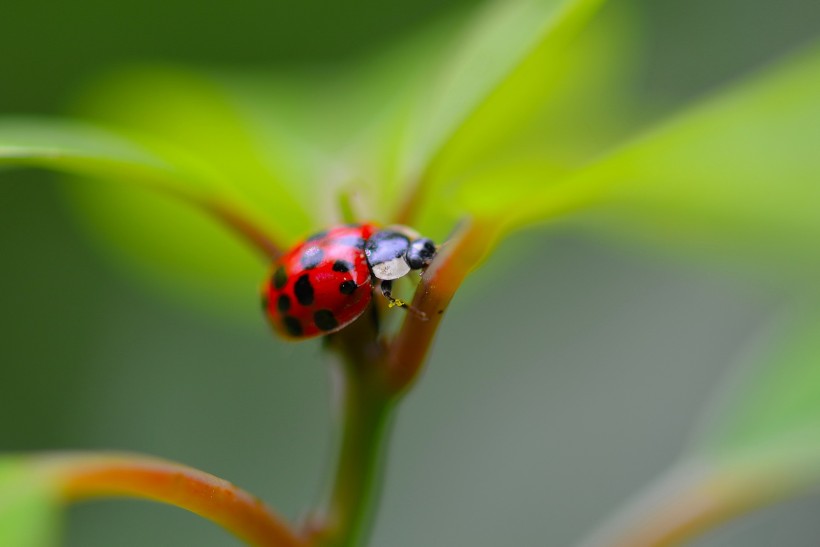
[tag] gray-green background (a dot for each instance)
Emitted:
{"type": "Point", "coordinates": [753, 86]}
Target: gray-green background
{"type": "Point", "coordinates": [567, 374]}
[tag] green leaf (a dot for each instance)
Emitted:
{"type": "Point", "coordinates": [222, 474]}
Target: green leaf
{"type": "Point", "coordinates": [501, 72]}
{"type": "Point", "coordinates": [84, 149]}
{"type": "Point", "coordinates": [567, 98]}
{"type": "Point", "coordinates": [191, 120]}
{"type": "Point", "coordinates": [29, 512]}
{"type": "Point", "coordinates": [735, 174]}
{"type": "Point", "coordinates": [759, 444]}
{"type": "Point", "coordinates": [127, 177]}
{"type": "Point", "coordinates": [771, 405]}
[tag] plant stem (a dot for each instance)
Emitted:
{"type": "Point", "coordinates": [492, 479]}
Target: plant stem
{"type": "Point", "coordinates": [366, 426]}
{"type": "Point", "coordinates": [695, 497]}
{"type": "Point", "coordinates": [365, 410]}
{"type": "Point", "coordinates": [241, 223]}
{"type": "Point", "coordinates": [80, 476]}
{"type": "Point", "coordinates": [462, 253]}
{"type": "Point", "coordinates": [371, 377]}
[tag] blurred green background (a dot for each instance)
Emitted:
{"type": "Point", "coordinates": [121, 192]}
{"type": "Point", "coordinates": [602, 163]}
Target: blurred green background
{"type": "Point", "coordinates": [594, 362]}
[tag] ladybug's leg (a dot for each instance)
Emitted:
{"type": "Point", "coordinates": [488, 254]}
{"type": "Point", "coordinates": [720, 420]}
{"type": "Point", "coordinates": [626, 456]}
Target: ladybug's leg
{"type": "Point", "coordinates": [386, 286]}
{"type": "Point", "coordinates": [387, 290]}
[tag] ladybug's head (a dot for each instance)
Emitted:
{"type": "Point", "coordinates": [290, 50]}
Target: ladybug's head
{"type": "Point", "coordinates": [420, 253]}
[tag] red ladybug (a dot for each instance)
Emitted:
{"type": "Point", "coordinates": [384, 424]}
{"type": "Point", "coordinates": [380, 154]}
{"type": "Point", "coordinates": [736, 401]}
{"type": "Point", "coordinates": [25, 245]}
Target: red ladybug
{"type": "Point", "coordinates": [326, 282]}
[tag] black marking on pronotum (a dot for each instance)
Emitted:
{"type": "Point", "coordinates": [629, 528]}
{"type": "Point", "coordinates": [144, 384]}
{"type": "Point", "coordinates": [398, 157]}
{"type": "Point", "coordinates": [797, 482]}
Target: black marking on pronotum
{"type": "Point", "coordinates": [280, 277]}
{"type": "Point", "coordinates": [292, 325]}
{"type": "Point", "coordinates": [384, 246]}
{"type": "Point", "coordinates": [312, 257]}
{"type": "Point", "coordinates": [348, 287]}
{"type": "Point", "coordinates": [283, 303]}
{"type": "Point", "coordinates": [303, 290]}
{"type": "Point", "coordinates": [317, 236]}
{"type": "Point", "coordinates": [342, 266]}
{"type": "Point", "coordinates": [351, 241]}
{"type": "Point", "coordinates": [325, 320]}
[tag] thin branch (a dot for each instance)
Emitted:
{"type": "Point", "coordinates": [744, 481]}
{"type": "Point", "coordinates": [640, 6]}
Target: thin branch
{"type": "Point", "coordinates": [243, 226]}
{"type": "Point", "coordinates": [461, 253]}
{"type": "Point", "coordinates": [692, 499]}
{"type": "Point", "coordinates": [228, 213]}
{"type": "Point", "coordinates": [81, 476]}
{"type": "Point", "coordinates": [364, 410]}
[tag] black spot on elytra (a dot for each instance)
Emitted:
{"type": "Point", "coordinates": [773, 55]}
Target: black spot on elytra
{"type": "Point", "coordinates": [317, 236]}
{"type": "Point", "coordinates": [292, 325]}
{"type": "Point", "coordinates": [325, 320]}
{"type": "Point", "coordinates": [303, 290]}
{"type": "Point", "coordinates": [348, 287]}
{"type": "Point", "coordinates": [351, 241]}
{"type": "Point", "coordinates": [312, 257]}
{"type": "Point", "coordinates": [283, 303]}
{"type": "Point", "coordinates": [280, 277]}
{"type": "Point", "coordinates": [342, 266]}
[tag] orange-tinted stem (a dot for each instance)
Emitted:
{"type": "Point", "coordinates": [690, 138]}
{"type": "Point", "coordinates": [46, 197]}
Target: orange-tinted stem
{"type": "Point", "coordinates": [461, 253]}
{"type": "Point", "coordinates": [244, 227]}
{"type": "Point", "coordinates": [691, 500]}
{"type": "Point", "coordinates": [81, 476]}
{"type": "Point", "coordinates": [231, 216]}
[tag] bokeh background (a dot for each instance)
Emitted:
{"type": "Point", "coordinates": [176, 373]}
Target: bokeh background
{"type": "Point", "coordinates": [569, 372]}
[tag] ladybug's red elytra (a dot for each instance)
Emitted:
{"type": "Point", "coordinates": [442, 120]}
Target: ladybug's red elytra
{"type": "Point", "coordinates": [326, 282]}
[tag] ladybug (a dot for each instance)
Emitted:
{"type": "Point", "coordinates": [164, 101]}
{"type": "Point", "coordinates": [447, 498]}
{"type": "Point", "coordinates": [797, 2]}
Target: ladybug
{"type": "Point", "coordinates": [326, 282]}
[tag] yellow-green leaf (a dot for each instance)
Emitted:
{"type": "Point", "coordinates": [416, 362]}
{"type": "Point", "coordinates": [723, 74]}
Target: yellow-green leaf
{"type": "Point", "coordinates": [131, 178]}
{"type": "Point", "coordinates": [568, 99]}
{"type": "Point", "coordinates": [735, 174]}
{"type": "Point", "coordinates": [771, 404]}
{"type": "Point", "coordinates": [29, 512]}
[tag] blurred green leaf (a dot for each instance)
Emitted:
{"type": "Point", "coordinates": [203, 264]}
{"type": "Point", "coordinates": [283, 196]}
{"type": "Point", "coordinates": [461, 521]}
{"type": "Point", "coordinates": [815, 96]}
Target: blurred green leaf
{"type": "Point", "coordinates": [276, 141]}
{"type": "Point", "coordinates": [132, 179]}
{"type": "Point", "coordinates": [737, 173]}
{"type": "Point", "coordinates": [758, 444]}
{"type": "Point", "coordinates": [497, 76]}
{"type": "Point", "coordinates": [770, 407]}
{"type": "Point", "coordinates": [29, 514]}
{"type": "Point", "coordinates": [192, 122]}
{"type": "Point", "coordinates": [569, 98]}
{"type": "Point", "coordinates": [84, 149]}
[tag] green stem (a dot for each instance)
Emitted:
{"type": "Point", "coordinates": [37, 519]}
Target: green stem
{"type": "Point", "coordinates": [357, 482]}
{"type": "Point", "coordinates": [372, 374]}
{"type": "Point", "coordinates": [365, 412]}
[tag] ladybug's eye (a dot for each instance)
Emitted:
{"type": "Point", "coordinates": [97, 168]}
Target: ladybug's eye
{"type": "Point", "coordinates": [420, 253]}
